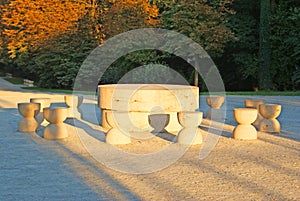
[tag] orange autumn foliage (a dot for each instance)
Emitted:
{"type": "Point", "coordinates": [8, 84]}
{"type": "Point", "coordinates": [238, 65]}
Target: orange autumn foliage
{"type": "Point", "coordinates": [1, 26]}
{"type": "Point", "coordinates": [125, 15]}
{"type": "Point", "coordinates": [27, 23]}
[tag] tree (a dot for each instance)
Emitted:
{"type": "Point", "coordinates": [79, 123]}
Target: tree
{"type": "Point", "coordinates": [121, 16]}
{"type": "Point", "coordinates": [124, 15]}
{"type": "Point", "coordinates": [238, 64]}
{"type": "Point", "coordinates": [2, 40]}
{"type": "Point", "coordinates": [50, 43]}
{"type": "Point", "coordinates": [243, 54]}
{"type": "Point", "coordinates": [55, 63]}
{"type": "Point", "coordinates": [264, 76]}
{"type": "Point", "coordinates": [28, 23]}
{"type": "Point", "coordinates": [203, 21]}
{"type": "Point", "coordinates": [285, 44]}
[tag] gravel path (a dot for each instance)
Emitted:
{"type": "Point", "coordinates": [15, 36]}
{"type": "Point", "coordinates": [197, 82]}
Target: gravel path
{"type": "Point", "coordinates": [7, 86]}
{"type": "Point", "coordinates": [289, 117]}
{"type": "Point", "coordinates": [33, 168]}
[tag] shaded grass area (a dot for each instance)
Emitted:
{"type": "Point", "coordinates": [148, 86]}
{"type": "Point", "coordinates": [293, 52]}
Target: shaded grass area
{"type": "Point", "coordinates": [265, 93]}
{"type": "Point", "coordinates": [62, 91]}
{"type": "Point", "coordinates": [20, 81]}
{"type": "Point", "coordinates": [245, 93]}
{"type": "Point", "coordinates": [256, 93]}
{"type": "Point", "coordinates": [15, 80]}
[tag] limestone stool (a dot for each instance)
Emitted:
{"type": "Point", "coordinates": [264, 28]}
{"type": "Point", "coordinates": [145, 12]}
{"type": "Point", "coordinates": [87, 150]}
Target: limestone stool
{"type": "Point", "coordinates": [190, 133]}
{"type": "Point", "coordinates": [73, 102]}
{"type": "Point", "coordinates": [104, 123]}
{"type": "Point", "coordinates": [158, 122]}
{"type": "Point", "coordinates": [255, 104]}
{"type": "Point", "coordinates": [57, 128]}
{"type": "Point", "coordinates": [28, 111]}
{"type": "Point", "coordinates": [270, 112]}
{"type": "Point", "coordinates": [215, 103]}
{"type": "Point", "coordinates": [116, 134]}
{"type": "Point", "coordinates": [45, 102]}
{"type": "Point", "coordinates": [245, 117]}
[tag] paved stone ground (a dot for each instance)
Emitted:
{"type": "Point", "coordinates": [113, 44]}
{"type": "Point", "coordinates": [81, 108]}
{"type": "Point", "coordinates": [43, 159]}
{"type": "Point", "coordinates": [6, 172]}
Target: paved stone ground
{"type": "Point", "coordinates": [4, 85]}
{"type": "Point", "coordinates": [29, 170]}
{"type": "Point", "coordinates": [289, 117]}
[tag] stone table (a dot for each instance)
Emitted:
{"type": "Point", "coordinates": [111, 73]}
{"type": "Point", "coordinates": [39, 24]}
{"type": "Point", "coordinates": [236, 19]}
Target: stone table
{"type": "Point", "coordinates": [146, 100]}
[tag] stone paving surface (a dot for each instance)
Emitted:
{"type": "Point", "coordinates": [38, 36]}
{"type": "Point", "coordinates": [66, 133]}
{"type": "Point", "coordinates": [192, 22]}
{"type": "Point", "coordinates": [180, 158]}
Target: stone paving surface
{"type": "Point", "coordinates": [32, 168]}
{"type": "Point", "coordinates": [29, 172]}
{"type": "Point", "coordinates": [4, 85]}
{"type": "Point", "coordinates": [289, 117]}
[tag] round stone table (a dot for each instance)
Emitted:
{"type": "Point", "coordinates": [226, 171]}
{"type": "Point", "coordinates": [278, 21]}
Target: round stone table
{"type": "Point", "coordinates": [148, 99]}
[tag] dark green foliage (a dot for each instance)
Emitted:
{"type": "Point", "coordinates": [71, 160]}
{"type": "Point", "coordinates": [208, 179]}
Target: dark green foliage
{"type": "Point", "coordinates": [15, 80]}
{"type": "Point", "coordinates": [55, 64]}
{"type": "Point", "coordinates": [285, 45]}
{"type": "Point", "coordinates": [239, 65]}
{"type": "Point", "coordinates": [242, 64]}
{"type": "Point", "coordinates": [239, 62]}
{"type": "Point", "coordinates": [264, 59]}
{"type": "Point", "coordinates": [202, 21]}
{"type": "Point", "coordinates": [128, 62]}
{"type": "Point", "coordinates": [296, 76]}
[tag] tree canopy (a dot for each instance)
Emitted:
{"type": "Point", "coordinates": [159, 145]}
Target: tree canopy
{"type": "Point", "coordinates": [203, 21]}
{"type": "Point", "coordinates": [48, 40]}
{"type": "Point", "coordinates": [28, 23]}
{"type": "Point", "coordinates": [124, 15]}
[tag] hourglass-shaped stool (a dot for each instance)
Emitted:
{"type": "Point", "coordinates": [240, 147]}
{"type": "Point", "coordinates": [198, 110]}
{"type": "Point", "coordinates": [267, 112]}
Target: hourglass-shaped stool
{"type": "Point", "coordinates": [190, 133]}
{"type": "Point", "coordinates": [73, 102]}
{"type": "Point", "coordinates": [158, 122]}
{"type": "Point", "coordinates": [270, 112]}
{"type": "Point", "coordinates": [28, 111]}
{"type": "Point", "coordinates": [117, 135]}
{"type": "Point", "coordinates": [215, 103]}
{"type": "Point", "coordinates": [255, 104]}
{"type": "Point", "coordinates": [104, 122]}
{"type": "Point", "coordinates": [45, 102]}
{"type": "Point", "coordinates": [57, 128]}
{"type": "Point", "coordinates": [245, 117]}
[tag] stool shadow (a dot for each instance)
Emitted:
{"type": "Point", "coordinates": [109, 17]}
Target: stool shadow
{"type": "Point", "coordinates": [97, 134]}
{"type": "Point", "coordinates": [166, 136]}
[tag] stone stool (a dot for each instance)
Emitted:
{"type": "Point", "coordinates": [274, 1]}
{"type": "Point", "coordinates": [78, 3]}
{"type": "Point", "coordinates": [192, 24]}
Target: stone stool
{"type": "Point", "coordinates": [142, 120]}
{"type": "Point", "coordinates": [57, 128]}
{"type": "Point", "coordinates": [45, 102]}
{"type": "Point", "coordinates": [245, 117]}
{"type": "Point", "coordinates": [270, 112]}
{"type": "Point", "coordinates": [215, 103]}
{"type": "Point", "coordinates": [117, 134]}
{"type": "Point", "coordinates": [73, 102]}
{"type": "Point", "coordinates": [104, 122]}
{"type": "Point", "coordinates": [134, 121]}
{"type": "Point", "coordinates": [158, 122]}
{"type": "Point", "coordinates": [28, 111]}
{"type": "Point", "coordinates": [255, 104]}
{"type": "Point", "coordinates": [190, 133]}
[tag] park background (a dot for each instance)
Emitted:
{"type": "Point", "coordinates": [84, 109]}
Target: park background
{"type": "Point", "coordinates": [254, 44]}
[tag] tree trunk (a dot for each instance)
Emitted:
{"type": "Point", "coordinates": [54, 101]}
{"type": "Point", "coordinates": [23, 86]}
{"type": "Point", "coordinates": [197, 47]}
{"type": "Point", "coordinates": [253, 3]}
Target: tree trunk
{"type": "Point", "coordinates": [196, 76]}
{"type": "Point", "coordinates": [264, 77]}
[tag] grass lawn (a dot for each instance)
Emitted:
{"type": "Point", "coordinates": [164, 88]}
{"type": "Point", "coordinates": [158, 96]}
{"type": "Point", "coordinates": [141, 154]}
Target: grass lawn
{"type": "Point", "coordinates": [63, 91]}
{"type": "Point", "coordinates": [257, 93]}
{"type": "Point", "coordinates": [245, 93]}
{"type": "Point", "coordinates": [15, 80]}
{"type": "Point", "coordinates": [49, 90]}
{"type": "Point", "coordinates": [265, 93]}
